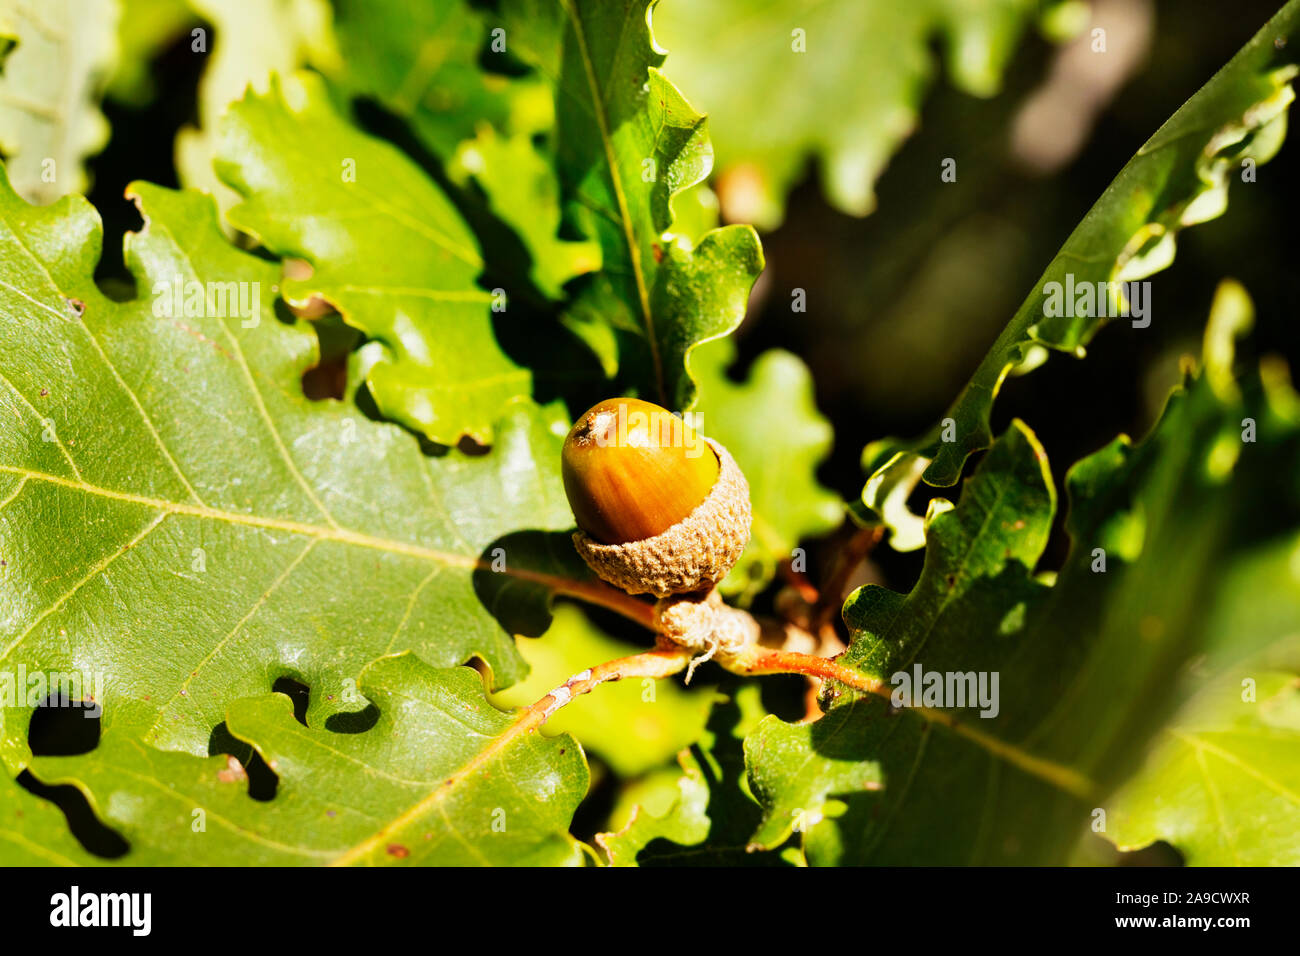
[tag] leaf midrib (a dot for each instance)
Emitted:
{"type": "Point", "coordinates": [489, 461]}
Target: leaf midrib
{"type": "Point", "coordinates": [616, 184]}
{"type": "Point", "coordinates": [320, 532]}
{"type": "Point", "coordinates": [336, 534]}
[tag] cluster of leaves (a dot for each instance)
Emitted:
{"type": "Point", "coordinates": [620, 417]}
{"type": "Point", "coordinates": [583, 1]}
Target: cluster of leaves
{"type": "Point", "coordinates": [1090, 661]}
{"type": "Point", "coordinates": [177, 514]}
{"type": "Point", "coordinates": [179, 518]}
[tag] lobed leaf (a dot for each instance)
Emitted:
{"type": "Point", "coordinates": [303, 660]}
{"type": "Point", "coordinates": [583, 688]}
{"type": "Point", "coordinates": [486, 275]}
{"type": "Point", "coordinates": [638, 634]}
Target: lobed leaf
{"type": "Point", "coordinates": [50, 88]}
{"type": "Point", "coordinates": [181, 527]}
{"type": "Point", "coordinates": [1086, 666]}
{"type": "Point", "coordinates": [389, 250]}
{"type": "Point", "coordinates": [627, 142]}
{"type": "Point", "coordinates": [250, 42]}
{"type": "Point", "coordinates": [178, 517]}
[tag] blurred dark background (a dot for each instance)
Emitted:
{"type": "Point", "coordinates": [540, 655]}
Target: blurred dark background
{"type": "Point", "coordinates": [904, 303]}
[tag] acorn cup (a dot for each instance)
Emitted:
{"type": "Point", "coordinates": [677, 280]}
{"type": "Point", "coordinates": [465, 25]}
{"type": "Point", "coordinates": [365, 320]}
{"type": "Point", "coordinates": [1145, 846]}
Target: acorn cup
{"type": "Point", "coordinates": [660, 509]}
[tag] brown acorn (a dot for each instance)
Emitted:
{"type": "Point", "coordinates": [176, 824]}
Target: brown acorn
{"type": "Point", "coordinates": [632, 470]}
{"type": "Point", "coordinates": [660, 509]}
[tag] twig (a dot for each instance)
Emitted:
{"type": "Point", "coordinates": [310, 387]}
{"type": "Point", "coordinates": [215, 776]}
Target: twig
{"type": "Point", "coordinates": [799, 581]}
{"type": "Point", "coordinates": [664, 661]}
{"type": "Point", "coordinates": [850, 556]}
{"type": "Point", "coordinates": [754, 661]}
{"type": "Point", "coordinates": [596, 592]}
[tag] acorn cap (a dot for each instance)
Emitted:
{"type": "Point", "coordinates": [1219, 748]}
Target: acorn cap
{"type": "Point", "coordinates": [694, 554]}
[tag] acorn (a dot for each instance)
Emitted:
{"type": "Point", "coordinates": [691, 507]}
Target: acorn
{"type": "Point", "coordinates": [660, 508]}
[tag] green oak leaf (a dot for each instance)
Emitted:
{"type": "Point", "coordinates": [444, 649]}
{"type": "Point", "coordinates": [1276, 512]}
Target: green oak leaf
{"type": "Point", "coordinates": [634, 726]}
{"type": "Point", "coordinates": [390, 252]}
{"type": "Point", "coordinates": [710, 821]}
{"type": "Point", "coordinates": [999, 529]}
{"type": "Point", "coordinates": [50, 89]}
{"type": "Point", "coordinates": [250, 42]}
{"type": "Point", "coordinates": [441, 68]}
{"type": "Point", "coordinates": [468, 101]}
{"type": "Point", "coordinates": [654, 793]}
{"type": "Point", "coordinates": [684, 822]}
{"type": "Point", "coordinates": [795, 769]}
{"type": "Point", "coordinates": [34, 831]}
{"type": "Point", "coordinates": [425, 62]}
{"type": "Point", "coordinates": [1087, 666]}
{"type": "Point", "coordinates": [841, 81]}
{"type": "Point", "coordinates": [626, 142]}
{"type": "Point", "coordinates": [1178, 178]}
{"type": "Point", "coordinates": [521, 189]}
{"type": "Point", "coordinates": [961, 616]}
{"type": "Point", "coordinates": [1223, 784]}
{"type": "Point", "coordinates": [779, 460]}
{"type": "Point", "coordinates": [1220, 785]}
{"type": "Point", "coordinates": [176, 516]}
{"type": "Point", "coordinates": [443, 786]}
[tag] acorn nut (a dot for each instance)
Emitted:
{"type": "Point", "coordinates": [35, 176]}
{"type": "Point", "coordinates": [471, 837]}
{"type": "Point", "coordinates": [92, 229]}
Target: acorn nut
{"type": "Point", "coordinates": [660, 509]}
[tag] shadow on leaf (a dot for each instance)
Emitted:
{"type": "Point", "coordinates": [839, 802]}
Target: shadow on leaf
{"type": "Point", "coordinates": [503, 584]}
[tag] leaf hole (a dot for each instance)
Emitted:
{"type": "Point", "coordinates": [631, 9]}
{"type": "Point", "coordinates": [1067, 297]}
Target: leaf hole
{"type": "Point", "coordinates": [296, 691]}
{"type": "Point", "coordinates": [262, 780]}
{"type": "Point", "coordinates": [329, 379]}
{"type": "Point", "coordinates": [92, 833]}
{"type": "Point", "coordinates": [64, 726]}
{"type": "Point", "coordinates": [1158, 853]}
{"type": "Point", "coordinates": [335, 341]}
{"type": "Point", "coordinates": [469, 447]}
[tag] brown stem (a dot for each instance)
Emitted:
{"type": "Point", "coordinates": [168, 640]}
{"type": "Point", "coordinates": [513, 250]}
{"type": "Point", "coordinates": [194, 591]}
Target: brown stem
{"type": "Point", "coordinates": [599, 593]}
{"type": "Point", "coordinates": [850, 556]}
{"type": "Point", "coordinates": [754, 661]}
{"type": "Point", "coordinates": [799, 581]}
{"type": "Point", "coordinates": [664, 661]}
